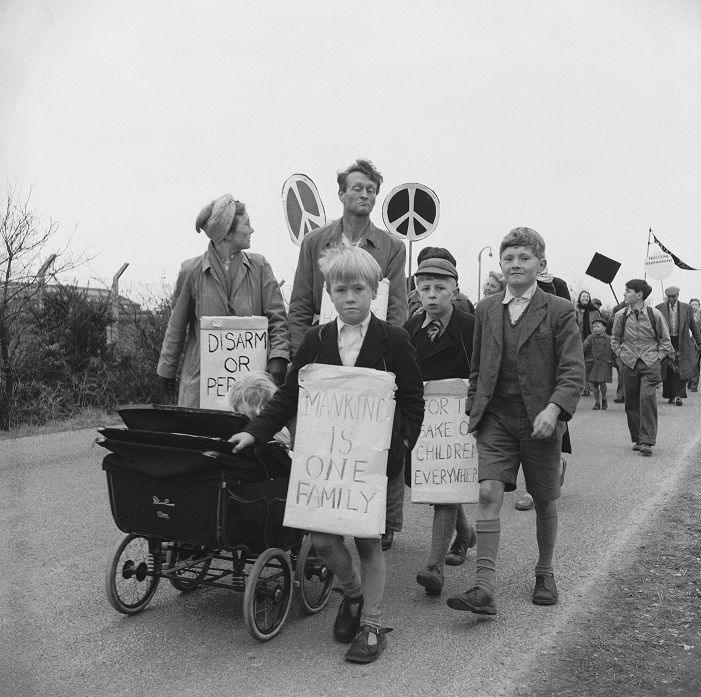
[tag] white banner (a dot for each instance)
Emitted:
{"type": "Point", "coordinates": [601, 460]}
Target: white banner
{"type": "Point", "coordinates": [378, 305]}
{"type": "Point", "coordinates": [338, 480]}
{"type": "Point", "coordinates": [444, 460]}
{"type": "Point", "coordinates": [658, 264]}
{"type": "Point", "coordinates": [229, 347]}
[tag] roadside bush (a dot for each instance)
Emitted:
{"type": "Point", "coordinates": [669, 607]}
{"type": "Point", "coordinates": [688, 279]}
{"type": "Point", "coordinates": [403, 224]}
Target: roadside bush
{"type": "Point", "coordinates": [67, 365]}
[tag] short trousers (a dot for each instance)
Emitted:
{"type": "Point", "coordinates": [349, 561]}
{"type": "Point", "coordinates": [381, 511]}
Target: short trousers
{"type": "Point", "coordinates": [504, 444]}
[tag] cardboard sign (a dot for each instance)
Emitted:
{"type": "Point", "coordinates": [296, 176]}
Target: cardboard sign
{"type": "Point", "coordinates": [378, 306]}
{"type": "Point", "coordinates": [302, 206]}
{"type": "Point", "coordinates": [658, 264]}
{"type": "Point", "coordinates": [603, 268]}
{"type": "Point", "coordinates": [411, 211]}
{"type": "Point", "coordinates": [338, 481]}
{"type": "Point", "coordinates": [444, 461]}
{"type": "Point", "coordinates": [229, 347]}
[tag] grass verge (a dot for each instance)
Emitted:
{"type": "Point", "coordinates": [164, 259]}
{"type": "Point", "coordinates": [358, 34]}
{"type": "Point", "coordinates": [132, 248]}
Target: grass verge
{"type": "Point", "coordinates": [88, 418]}
{"type": "Point", "coordinates": [644, 639]}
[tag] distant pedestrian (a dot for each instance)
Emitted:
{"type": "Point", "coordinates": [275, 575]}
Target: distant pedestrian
{"type": "Point", "coordinates": [526, 380]}
{"type": "Point", "coordinates": [685, 337]}
{"type": "Point", "coordinates": [640, 338]}
{"type": "Point", "coordinates": [695, 305]}
{"type": "Point", "coordinates": [585, 312]}
{"type": "Point", "coordinates": [598, 359]}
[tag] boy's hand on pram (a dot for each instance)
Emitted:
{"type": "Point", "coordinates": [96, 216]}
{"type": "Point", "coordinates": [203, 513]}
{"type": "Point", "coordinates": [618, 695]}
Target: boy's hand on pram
{"type": "Point", "coordinates": [241, 440]}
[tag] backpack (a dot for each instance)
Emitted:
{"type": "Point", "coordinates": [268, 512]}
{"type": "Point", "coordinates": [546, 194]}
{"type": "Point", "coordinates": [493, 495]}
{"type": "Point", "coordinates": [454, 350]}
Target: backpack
{"type": "Point", "coordinates": [650, 316]}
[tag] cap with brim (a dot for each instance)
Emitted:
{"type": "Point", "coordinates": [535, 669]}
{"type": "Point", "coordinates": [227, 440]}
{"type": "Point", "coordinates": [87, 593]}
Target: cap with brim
{"type": "Point", "coordinates": [437, 267]}
{"type": "Point", "coordinates": [672, 290]}
{"type": "Point", "coordinates": [598, 319]}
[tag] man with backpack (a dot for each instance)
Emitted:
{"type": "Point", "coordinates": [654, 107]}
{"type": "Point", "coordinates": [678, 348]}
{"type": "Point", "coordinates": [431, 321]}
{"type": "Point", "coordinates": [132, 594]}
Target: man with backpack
{"type": "Point", "coordinates": [640, 338]}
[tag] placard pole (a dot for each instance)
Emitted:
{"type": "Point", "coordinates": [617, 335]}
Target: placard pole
{"type": "Point", "coordinates": [647, 253]}
{"type": "Point", "coordinates": [614, 293]}
{"type": "Point", "coordinates": [409, 274]}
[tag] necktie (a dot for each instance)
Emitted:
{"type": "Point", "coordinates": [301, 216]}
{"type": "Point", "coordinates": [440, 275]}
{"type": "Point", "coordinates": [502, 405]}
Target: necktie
{"type": "Point", "coordinates": [637, 314]}
{"type": "Point", "coordinates": [433, 329]}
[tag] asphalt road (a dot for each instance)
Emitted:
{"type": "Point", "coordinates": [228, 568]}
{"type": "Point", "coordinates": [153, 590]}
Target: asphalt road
{"type": "Point", "coordinates": [59, 635]}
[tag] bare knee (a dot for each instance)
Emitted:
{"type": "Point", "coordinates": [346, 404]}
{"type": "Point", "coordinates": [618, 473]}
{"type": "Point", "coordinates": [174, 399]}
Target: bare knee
{"type": "Point", "coordinates": [491, 493]}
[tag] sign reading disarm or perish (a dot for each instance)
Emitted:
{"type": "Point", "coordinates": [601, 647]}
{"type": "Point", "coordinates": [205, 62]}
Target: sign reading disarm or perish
{"type": "Point", "coordinates": [229, 347]}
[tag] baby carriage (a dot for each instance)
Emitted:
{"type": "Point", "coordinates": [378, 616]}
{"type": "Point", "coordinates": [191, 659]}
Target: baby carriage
{"type": "Point", "coordinates": [197, 515]}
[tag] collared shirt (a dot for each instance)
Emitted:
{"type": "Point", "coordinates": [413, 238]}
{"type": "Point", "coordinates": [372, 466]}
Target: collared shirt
{"type": "Point", "coordinates": [517, 305]}
{"type": "Point", "coordinates": [350, 339]}
{"type": "Point", "coordinates": [673, 318]}
{"type": "Point", "coordinates": [638, 340]}
{"type": "Point", "coordinates": [443, 322]}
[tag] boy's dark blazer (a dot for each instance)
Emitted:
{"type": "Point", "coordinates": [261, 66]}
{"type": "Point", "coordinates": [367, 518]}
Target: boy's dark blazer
{"type": "Point", "coordinates": [550, 361]}
{"type": "Point", "coordinates": [385, 347]}
{"type": "Point", "coordinates": [450, 356]}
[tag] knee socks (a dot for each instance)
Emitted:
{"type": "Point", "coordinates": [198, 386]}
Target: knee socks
{"type": "Point", "coordinates": [546, 533]}
{"type": "Point", "coordinates": [488, 534]}
{"type": "Point", "coordinates": [442, 532]}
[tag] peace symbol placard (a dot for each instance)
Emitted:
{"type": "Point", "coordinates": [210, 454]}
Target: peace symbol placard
{"type": "Point", "coordinates": [302, 205]}
{"type": "Point", "coordinates": [412, 211]}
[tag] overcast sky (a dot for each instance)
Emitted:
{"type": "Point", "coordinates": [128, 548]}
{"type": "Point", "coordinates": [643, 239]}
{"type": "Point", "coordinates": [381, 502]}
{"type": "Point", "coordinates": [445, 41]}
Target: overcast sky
{"type": "Point", "coordinates": [579, 119]}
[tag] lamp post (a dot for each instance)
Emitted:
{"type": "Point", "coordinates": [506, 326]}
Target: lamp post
{"type": "Point", "coordinates": [479, 270]}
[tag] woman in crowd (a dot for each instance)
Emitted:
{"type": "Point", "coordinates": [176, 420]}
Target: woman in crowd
{"type": "Point", "coordinates": [586, 312]}
{"type": "Point", "coordinates": [494, 284]}
{"type": "Point", "coordinates": [225, 280]}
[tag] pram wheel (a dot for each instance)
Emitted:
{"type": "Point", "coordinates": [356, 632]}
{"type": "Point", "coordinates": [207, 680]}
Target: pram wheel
{"type": "Point", "coordinates": [131, 579]}
{"type": "Point", "coordinates": [313, 579]}
{"type": "Point", "coordinates": [188, 579]}
{"type": "Point", "coordinates": [268, 594]}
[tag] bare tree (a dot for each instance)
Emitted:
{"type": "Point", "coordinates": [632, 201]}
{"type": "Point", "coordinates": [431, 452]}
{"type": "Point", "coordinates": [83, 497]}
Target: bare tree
{"type": "Point", "coordinates": [25, 263]}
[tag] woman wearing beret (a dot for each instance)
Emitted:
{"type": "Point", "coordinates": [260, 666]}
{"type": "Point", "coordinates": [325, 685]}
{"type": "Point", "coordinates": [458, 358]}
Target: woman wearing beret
{"type": "Point", "coordinates": [225, 280]}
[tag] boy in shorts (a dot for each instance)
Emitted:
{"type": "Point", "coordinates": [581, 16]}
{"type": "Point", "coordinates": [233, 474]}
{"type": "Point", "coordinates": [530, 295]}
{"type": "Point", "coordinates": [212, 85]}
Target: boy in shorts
{"type": "Point", "coordinates": [526, 379]}
{"type": "Point", "coordinates": [355, 338]}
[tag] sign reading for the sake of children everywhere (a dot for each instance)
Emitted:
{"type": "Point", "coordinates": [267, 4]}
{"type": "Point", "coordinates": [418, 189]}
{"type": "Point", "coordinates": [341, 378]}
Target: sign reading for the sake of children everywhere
{"type": "Point", "coordinates": [229, 347]}
{"type": "Point", "coordinates": [378, 305]}
{"type": "Point", "coordinates": [444, 460]}
{"type": "Point", "coordinates": [338, 480]}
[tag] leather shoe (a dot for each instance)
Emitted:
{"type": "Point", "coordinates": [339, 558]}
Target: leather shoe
{"type": "Point", "coordinates": [476, 599]}
{"type": "Point", "coordinates": [645, 449]}
{"type": "Point", "coordinates": [431, 578]}
{"type": "Point", "coordinates": [545, 591]}
{"type": "Point", "coordinates": [368, 644]}
{"type": "Point", "coordinates": [678, 401]}
{"type": "Point", "coordinates": [525, 503]}
{"type": "Point", "coordinates": [387, 540]}
{"type": "Point", "coordinates": [636, 446]}
{"type": "Point", "coordinates": [619, 400]}
{"type": "Point", "coordinates": [348, 619]}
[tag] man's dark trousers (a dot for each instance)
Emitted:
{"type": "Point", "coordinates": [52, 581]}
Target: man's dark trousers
{"type": "Point", "coordinates": [641, 400]}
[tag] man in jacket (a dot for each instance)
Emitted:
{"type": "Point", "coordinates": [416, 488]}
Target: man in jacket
{"type": "Point", "coordinates": [358, 187]}
{"type": "Point", "coordinates": [685, 337]}
{"type": "Point", "coordinates": [640, 339]}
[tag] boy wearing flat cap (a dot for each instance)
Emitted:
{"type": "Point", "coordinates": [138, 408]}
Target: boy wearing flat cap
{"type": "Point", "coordinates": [442, 337]}
{"type": "Point", "coordinates": [685, 337]}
